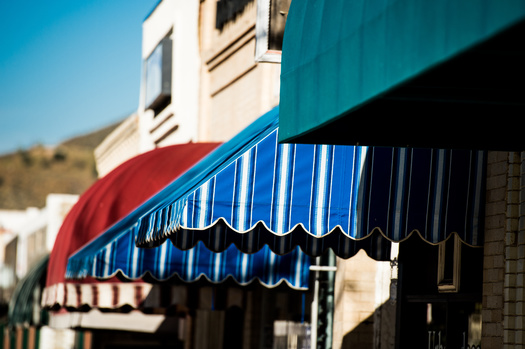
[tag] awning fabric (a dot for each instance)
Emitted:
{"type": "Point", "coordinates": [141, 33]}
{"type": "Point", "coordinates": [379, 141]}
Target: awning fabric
{"type": "Point", "coordinates": [21, 308]}
{"type": "Point", "coordinates": [348, 66]}
{"type": "Point", "coordinates": [253, 191]}
{"type": "Point", "coordinates": [165, 262]}
{"type": "Point", "coordinates": [121, 259]}
{"type": "Point", "coordinates": [107, 201]}
{"type": "Point", "coordinates": [102, 295]}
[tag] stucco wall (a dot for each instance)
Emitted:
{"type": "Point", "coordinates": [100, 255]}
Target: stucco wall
{"type": "Point", "coordinates": [235, 90]}
{"type": "Point", "coordinates": [178, 122]}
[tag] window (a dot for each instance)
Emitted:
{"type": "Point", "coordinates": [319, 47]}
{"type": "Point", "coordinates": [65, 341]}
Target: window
{"type": "Point", "coordinates": [227, 10]}
{"type": "Point", "coordinates": [449, 265]}
{"type": "Point", "coordinates": [271, 20]}
{"type": "Point", "coordinates": [158, 76]}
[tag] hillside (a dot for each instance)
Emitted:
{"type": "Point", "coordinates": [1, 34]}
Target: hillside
{"type": "Point", "coordinates": [27, 176]}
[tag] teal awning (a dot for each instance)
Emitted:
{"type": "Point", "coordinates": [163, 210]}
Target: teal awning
{"type": "Point", "coordinates": [403, 72]}
{"type": "Point", "coordinates": [24, 306]}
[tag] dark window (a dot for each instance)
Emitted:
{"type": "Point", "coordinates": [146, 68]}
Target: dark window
{"type": "Point", "coordinates": [228, 9]}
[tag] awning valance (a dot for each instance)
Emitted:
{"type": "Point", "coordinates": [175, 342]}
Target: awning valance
{"type": "Point", "coordinates": [93, 294]}
{"type": "Point", "coordinates": [349, 66]}
{"type": "Point", "coordinates": [253, 191]}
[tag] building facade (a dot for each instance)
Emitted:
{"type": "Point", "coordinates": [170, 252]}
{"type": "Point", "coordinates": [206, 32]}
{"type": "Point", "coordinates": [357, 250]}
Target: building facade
{"type": "Point", "coordinates": [428, 67]}
{"type": "Point", "coordinates": [121, 145]}
{"type": "Point", "coordinates": [200, 83]}
{"type": "Point", "coordinates": [235, 89]}
{"type": "Point", "coordinates": [169, 98]}
{"type": "Point", "coordinates": [33, 233]}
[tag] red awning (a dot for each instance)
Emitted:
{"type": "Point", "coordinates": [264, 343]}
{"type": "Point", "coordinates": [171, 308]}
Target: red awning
{"type": "Point", "coordinates": [107, 201]}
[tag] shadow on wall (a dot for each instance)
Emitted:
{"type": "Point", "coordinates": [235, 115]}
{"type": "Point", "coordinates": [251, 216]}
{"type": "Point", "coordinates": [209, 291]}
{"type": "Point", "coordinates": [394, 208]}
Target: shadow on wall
{"type": "Point", "coordinates": [376, 331]}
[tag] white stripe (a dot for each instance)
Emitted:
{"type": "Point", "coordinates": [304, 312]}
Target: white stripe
{"type": "Point", "coordinates": [94, 266]}
{"type": "Point", "coordinates": [243, 196]}
{"type": "Point", "coordinates": [151, 225]}
{"type": "Point", "coordinates": [328, 190]}
{"type": "Point", "coordinates": [438, 197]}
{"type": "Point", "coordinates": [274, 188]}
{"type": "Point", "coordinates": [163, 253]}
{"type": "Point", "coordinates": [184, 223]}
{"type": "Point", "coordinates": [321, 190]}
{"type": "Point", "coordinates": [298, 269]}
{"type": "Point", "coordinates": [272, 268]}
{"type": "Point", "coordinates": [203, 206]}
{"type": "Point", "coordinates": [108, 259]}
{"type": "Point", "coordinates": [351, 224]}
{"type": "Point", "coordinates": [283, 170]}
{"type": "Point", "coordinates": [134, 261]}
{"type": "Point", "coordinates": [399, 194]}
{"type": "Point", "coordinates": [311, 220]}
{"type": "Point", "coordinates": [479, 184]}
{"type": "Point", "coordinates": [244, 267]}
{"type": "Point", "coordinates": [357, 174]}
{"type": "Point", "coordinates": [362, 194]}
{"type": "Point", "coordinates": [292, 184]}
{"type": "Point", "coordinates": [211, 197]}
{"type": "Point", "coordinates": [217, 266]}
{"type": "Point", "coordinates": [190, 263]}
{"type": "Point", "coordinates": [409, 191]}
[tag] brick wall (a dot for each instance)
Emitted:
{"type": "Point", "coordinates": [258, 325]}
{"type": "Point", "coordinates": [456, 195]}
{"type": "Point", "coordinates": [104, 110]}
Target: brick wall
{"type": "Point", "coordinates": [513, 288]}
{"type": "Point", "coordinates": [504, 252]}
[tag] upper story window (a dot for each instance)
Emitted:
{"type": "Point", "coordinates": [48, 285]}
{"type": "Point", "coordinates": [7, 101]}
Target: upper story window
{"type": "Point", "coordinates": [227, 10]}
{"type": "Point", "coordinates": [158, 76]}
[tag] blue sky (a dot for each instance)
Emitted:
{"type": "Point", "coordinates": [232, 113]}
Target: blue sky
{"type": "Point", "coordinates": [67, 67]}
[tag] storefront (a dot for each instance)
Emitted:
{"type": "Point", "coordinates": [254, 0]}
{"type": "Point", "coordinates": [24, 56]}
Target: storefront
{"type": "Point", "coordinates": [256, 193]}
{"type": "Point", "coordinates": [165, 296]}
{"type": "Point", "coordinates": [419, 74]}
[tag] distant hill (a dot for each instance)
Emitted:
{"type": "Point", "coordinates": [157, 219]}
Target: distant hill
{"type": "Point", "coordinates": [29, 175]}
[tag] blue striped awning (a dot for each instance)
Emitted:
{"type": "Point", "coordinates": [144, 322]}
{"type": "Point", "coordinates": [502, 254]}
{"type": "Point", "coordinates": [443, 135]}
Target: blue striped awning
{"type": "Point", "coordinates": [321, 196]}
{"type": "Point", "coordinates": [122, 259]}
{"type": "Point", "coordinates": [254, 192]}
{"type": "Point", "coordinates": [110, 203]}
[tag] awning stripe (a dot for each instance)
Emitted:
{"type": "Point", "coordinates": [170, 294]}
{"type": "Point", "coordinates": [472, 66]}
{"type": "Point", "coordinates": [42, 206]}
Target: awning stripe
{"type": "Point", "coordinates": [356, 193]}
{"type": "Point", "coordinates": [109, 295]}
{"type": "Point", "coordinates": [320, 189]}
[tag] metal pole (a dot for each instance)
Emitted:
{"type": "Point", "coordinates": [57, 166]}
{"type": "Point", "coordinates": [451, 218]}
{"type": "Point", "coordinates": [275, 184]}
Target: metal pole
{"type": "Point", "coordinates": [323, 302]}
{"type": "Point", "coordinates": [315, 306]}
